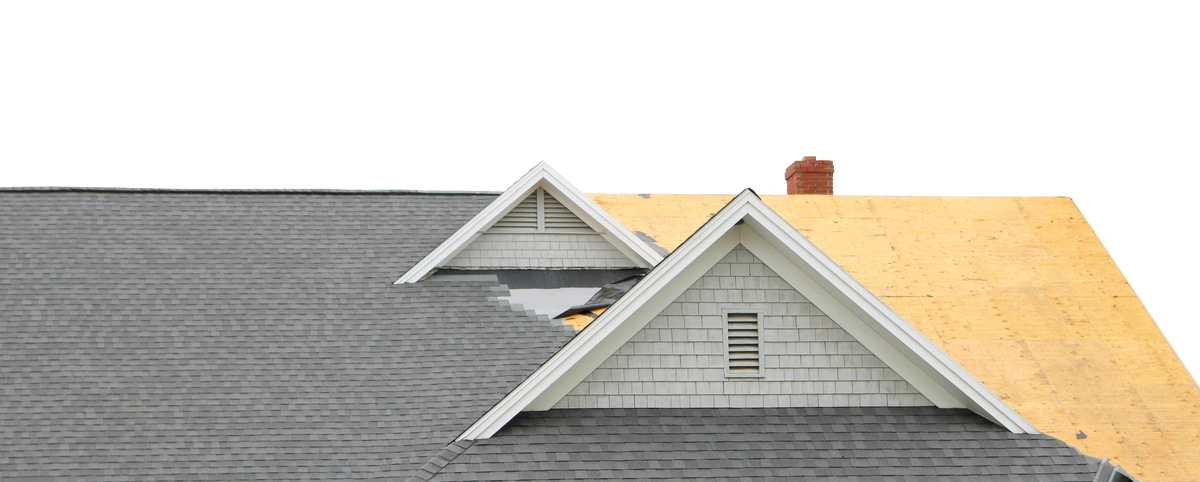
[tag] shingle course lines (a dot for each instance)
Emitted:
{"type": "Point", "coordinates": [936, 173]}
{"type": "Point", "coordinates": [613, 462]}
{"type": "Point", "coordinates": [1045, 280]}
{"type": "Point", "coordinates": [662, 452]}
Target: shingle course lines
{"type": "Point", "coordinates": [874, 443]}
{"type": "Point", "coordinates": [171, 335]}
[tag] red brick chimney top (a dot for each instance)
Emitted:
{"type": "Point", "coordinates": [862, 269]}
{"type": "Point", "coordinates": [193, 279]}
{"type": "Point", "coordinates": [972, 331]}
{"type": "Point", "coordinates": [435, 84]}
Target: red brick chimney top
{"type": "Point", "coordinates": [809, 176]}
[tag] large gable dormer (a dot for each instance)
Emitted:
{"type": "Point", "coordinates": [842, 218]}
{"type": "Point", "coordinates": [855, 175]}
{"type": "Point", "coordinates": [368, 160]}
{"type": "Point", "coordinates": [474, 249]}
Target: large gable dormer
{"type": "Point", "coordinates": [808, 299]}
{"type": "Point", "coordinates": [541, 222]}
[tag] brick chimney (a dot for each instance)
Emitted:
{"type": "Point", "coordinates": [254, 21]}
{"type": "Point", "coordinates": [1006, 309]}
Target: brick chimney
{"type": "Point", "coordinates": [809, 176]}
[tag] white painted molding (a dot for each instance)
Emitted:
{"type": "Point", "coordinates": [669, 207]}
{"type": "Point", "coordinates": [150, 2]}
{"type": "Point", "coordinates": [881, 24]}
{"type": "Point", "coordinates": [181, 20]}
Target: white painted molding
{"type": "Point", "coordinates": [746, 220]}
{"type": "Point", "coordinates": [543, 176]}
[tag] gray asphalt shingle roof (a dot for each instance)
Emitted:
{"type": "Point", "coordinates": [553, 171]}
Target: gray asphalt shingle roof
{"type": "Point", "coordinates": [149, 335]}
{"type": "Point", "coordinates": [875, 443]}
{"type": "Point", "coordinates": [152, 335]}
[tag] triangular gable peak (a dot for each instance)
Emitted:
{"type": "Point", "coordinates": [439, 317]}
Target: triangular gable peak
{"type": "Point", "coordinates": [747, 223]}
{"type": "Point", "coordinates": [541, 202]}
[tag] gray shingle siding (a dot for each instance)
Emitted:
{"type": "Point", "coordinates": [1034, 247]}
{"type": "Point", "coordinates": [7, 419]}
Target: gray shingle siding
{"type": "Point", "coordinates": [540, 251]}
{"type": "Point", "coordinates": [678, 360]}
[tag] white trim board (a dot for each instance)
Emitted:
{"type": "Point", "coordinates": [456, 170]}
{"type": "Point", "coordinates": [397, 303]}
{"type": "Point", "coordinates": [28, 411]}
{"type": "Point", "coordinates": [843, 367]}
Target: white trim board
{"type": "Point", "coordinates": [543, 176]}
{"type": "Point", "coordinates": [746, 220]}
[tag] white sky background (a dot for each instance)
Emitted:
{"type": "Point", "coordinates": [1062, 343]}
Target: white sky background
{"type": "Point", "coordinates": [1097, 101]}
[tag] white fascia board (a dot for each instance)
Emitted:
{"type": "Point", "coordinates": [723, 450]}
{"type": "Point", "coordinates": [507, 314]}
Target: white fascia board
{"type": "Point", "coordinates": [792, 256]}
{"type": "Point", "coordinates": [543, 176]}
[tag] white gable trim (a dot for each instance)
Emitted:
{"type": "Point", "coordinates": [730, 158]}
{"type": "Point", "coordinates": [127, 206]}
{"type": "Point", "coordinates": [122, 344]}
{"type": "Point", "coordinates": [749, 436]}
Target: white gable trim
{"type": "Point", "coordinates": [546, 178]}
{"type": "Point", "coordinates": [749, 222]}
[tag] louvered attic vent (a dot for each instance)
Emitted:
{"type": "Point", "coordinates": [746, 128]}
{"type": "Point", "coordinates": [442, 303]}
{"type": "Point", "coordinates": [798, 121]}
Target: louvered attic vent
{"type": "Point", "coordinates": [540, 213]}
{"type": "Point", "coordinates": [742, 344]}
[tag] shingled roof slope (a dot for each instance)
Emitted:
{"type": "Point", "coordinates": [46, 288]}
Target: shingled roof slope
{"type": "Point", "coordinates": [872, 443]}
{"type": "Point", "coordinates": [1019, 291]}
{"type": "Point", "coordinates": [171, 335]}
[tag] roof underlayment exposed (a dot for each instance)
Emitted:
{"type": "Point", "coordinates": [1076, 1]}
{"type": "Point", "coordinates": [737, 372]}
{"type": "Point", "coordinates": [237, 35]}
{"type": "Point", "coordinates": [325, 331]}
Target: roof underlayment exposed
{"type": "Point", "coordinates": [1019, 291]}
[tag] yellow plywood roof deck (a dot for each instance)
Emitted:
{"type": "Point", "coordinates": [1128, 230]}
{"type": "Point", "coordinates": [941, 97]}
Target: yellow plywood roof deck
{"type": "Point", "coordinates": [1019, 291]}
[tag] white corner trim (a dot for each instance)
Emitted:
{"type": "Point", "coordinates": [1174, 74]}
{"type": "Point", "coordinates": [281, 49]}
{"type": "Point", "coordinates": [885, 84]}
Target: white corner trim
{"type": "Point", "coordinates": [542, 175]}
{"type": "Point", "coordinates": [796, 259]}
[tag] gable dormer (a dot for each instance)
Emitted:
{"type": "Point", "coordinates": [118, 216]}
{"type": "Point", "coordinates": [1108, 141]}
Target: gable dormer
{"type": "Point", "coordinates": [541, 233]}
{"type": "Point", "coordinates": [541, 222]}
{"type": "Point", "coordinates": [747, 313]}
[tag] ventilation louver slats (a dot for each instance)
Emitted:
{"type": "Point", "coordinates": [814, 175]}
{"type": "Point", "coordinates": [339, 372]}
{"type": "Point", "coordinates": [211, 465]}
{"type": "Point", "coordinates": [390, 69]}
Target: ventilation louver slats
{"type": "Point", "coordinates": [540, 213]}
{"type": "Point", "coordinates": [743, 344]}
{"type": "Point", "coordinates": [522, 218]}
{"type": "Point", "coordinates": [559, 218]}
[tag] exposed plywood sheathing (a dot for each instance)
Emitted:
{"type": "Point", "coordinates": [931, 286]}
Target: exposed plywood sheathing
{"type": "Point", "coordinates": [581, 320]}
{"type": "Point", "coordinates": [1019, 291]}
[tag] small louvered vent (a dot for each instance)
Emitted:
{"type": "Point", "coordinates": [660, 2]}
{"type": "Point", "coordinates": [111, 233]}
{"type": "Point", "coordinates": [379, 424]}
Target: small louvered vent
{"type": "Point", "coordinates": [523, 217]}
{"type": "Point", "coordinates": [540, 213]}
{"type": "Point", "coordinates": [743, 344]}
{"type": "Point", "coordinates": [559, 218]}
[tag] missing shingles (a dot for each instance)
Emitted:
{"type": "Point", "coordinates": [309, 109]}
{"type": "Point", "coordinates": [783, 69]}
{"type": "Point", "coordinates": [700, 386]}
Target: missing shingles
{"type": "Point", "coordinates": [517, 307]}
{"type": "Point", "coordinates": [542, 305]}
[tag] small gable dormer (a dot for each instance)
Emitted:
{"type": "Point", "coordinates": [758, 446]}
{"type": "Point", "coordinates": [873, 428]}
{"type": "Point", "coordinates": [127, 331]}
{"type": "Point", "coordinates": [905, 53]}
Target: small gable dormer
{"type": "Point", "coordinates": [541, 233]}
{"type": "Point", "coordinates": [541, 222]}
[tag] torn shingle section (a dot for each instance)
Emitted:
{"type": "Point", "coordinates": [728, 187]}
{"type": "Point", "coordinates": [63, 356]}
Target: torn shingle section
{"type": "Point", "coordinates": [581, 315]}
{"type": "Point", "coordinates": [606, 296]}
{"type": "Point", "coordinates": [548, 293]}
{"type": "Point", "coordinates": [873, 443]}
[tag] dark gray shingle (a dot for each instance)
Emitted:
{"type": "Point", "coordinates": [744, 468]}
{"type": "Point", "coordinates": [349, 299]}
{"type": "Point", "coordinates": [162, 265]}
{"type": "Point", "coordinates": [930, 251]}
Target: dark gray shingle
{"type": "Point", "coordinates": [876, 443]}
